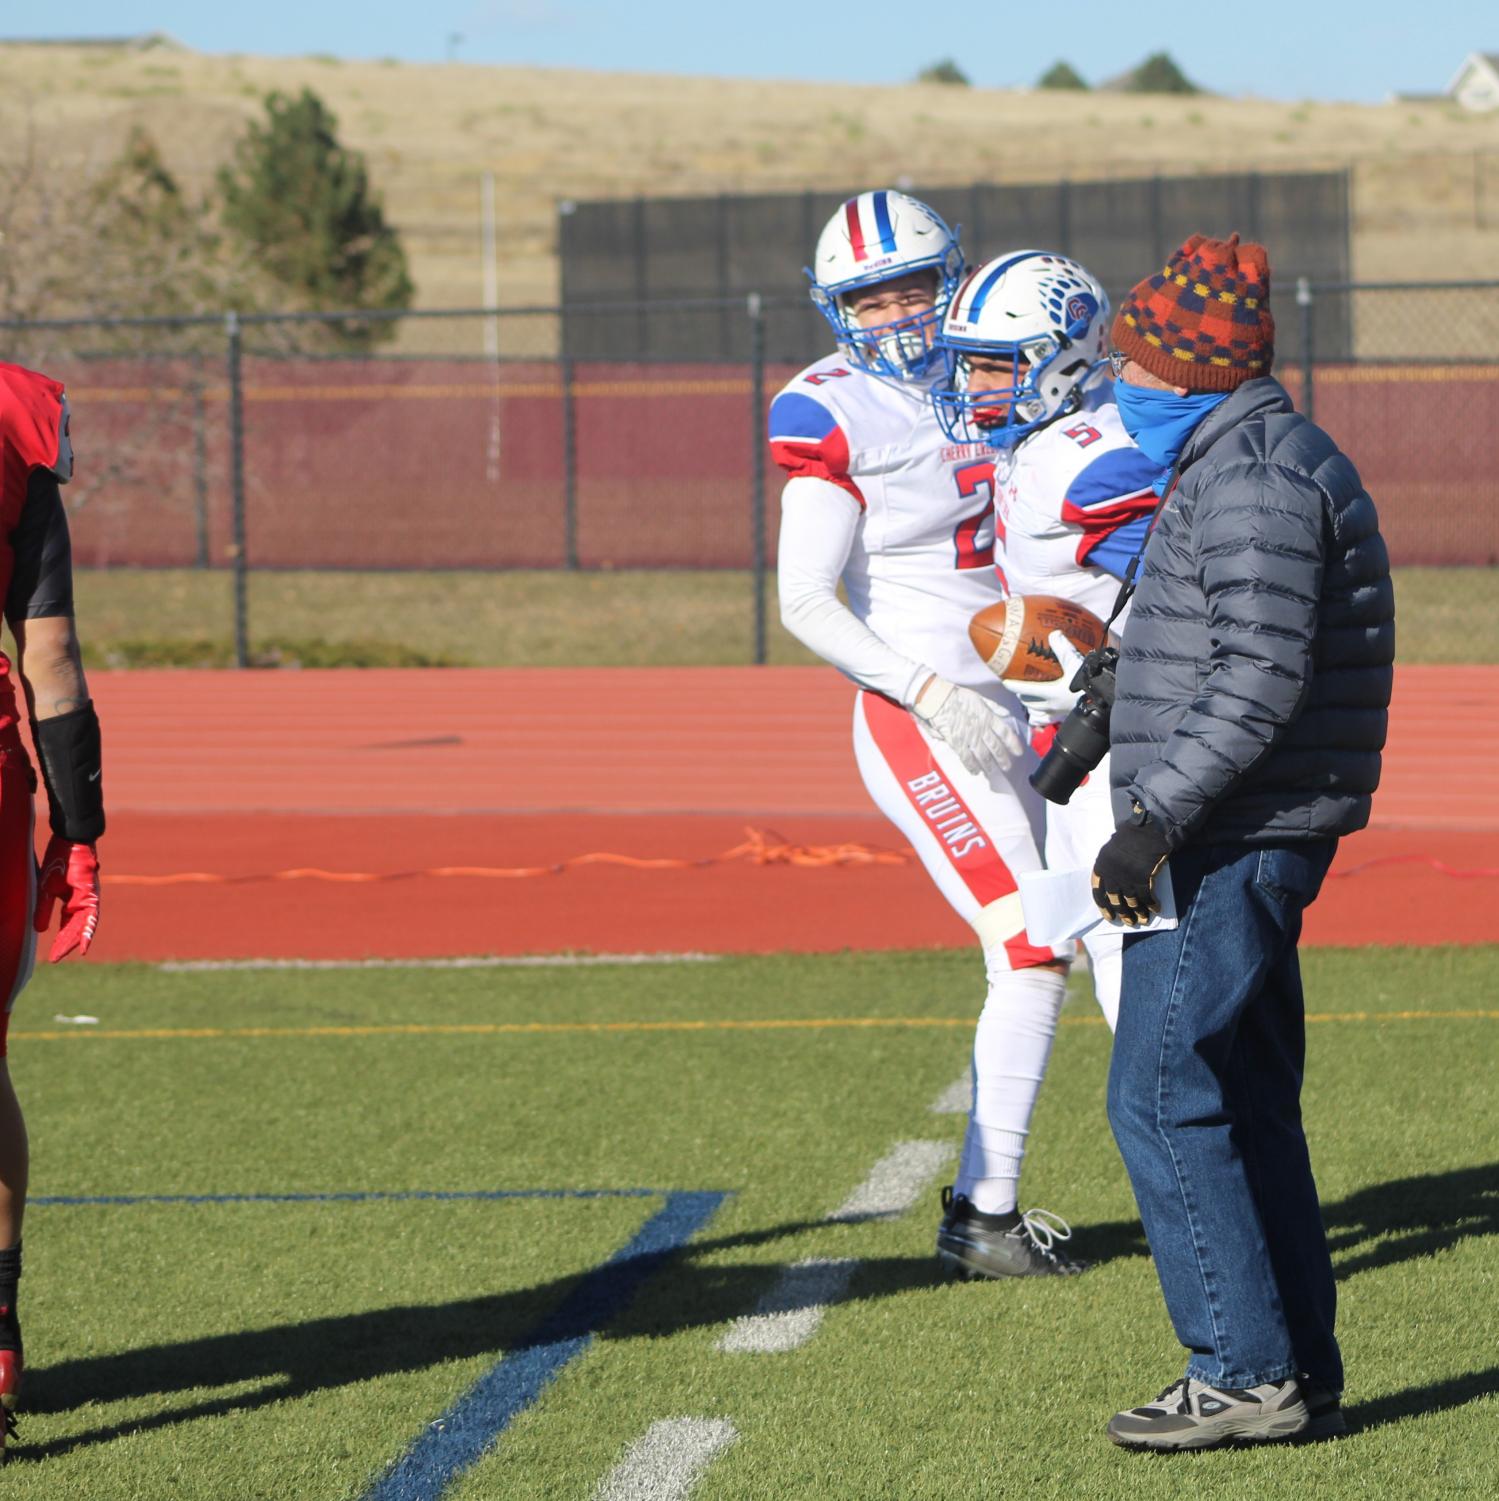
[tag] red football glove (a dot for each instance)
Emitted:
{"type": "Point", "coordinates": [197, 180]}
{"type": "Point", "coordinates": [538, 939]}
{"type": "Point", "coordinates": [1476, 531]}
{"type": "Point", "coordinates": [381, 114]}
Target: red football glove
{"type": "Point", "coordinates": [70, 875]}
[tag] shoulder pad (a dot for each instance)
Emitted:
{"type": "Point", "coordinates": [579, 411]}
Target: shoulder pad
{"type": "Point", "coordinates": [34, 421]}
{"type": "Point", "coordinates": [806, 440]}
{"type": "Point", "coordinates": [1114, 474]}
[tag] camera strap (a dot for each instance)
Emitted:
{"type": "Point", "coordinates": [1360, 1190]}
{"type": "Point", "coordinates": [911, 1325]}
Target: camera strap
{"type": "Point", "coordinates": [1127, 584]}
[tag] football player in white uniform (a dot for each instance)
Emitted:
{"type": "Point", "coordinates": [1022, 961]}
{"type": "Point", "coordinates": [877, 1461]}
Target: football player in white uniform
{"type": "Point", "coordinates": [1024, 342]}
{"type": "Point", "coordinates": [879, 498]}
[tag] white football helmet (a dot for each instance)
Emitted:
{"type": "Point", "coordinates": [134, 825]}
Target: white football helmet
{"type": "Point", "coordinates": [873, 238]}
{"type": "Point", "coordinates": [1049, 318]}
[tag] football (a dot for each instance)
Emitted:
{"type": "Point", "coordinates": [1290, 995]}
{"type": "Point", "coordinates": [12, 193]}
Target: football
{"type": "Point", "coordinates": [1011, 636]}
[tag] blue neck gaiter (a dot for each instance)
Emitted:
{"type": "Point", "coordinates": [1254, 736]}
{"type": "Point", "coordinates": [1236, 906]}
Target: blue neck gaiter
{"type": "Point", "coordinates": [1160, 422]}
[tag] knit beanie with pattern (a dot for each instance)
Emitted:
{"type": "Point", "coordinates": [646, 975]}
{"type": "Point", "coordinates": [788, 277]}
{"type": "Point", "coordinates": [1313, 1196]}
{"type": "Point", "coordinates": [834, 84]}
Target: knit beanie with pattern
{"type": "Point", "coordinates": [1203, 321]}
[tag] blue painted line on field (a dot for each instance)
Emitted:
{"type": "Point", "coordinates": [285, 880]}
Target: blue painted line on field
{"type": "Point", "coordinates": [75, 1200]}
{"type": "Point", "coordinates": [469, 1429]}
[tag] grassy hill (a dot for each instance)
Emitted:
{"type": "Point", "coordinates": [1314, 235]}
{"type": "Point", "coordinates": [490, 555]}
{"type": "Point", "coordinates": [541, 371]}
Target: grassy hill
{"type": "Point", "coordinates": [1426, 185]}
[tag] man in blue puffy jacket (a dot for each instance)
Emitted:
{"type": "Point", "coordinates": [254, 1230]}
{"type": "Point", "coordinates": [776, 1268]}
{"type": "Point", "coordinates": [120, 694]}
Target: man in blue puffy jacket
{"type": "Point", "coordinates": [1252, 693]}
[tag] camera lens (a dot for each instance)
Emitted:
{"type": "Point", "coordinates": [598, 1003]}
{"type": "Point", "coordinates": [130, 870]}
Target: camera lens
{"type": "Point", "coordinates": [1081, 743]}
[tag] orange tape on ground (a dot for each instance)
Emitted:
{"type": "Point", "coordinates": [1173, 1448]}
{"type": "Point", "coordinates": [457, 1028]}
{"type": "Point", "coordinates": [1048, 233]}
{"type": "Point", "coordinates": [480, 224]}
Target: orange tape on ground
{"type": "Point", "coordinates": [759, 847]}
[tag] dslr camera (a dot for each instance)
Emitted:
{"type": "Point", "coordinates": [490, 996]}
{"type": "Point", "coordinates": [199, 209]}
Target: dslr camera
{"type": "Point", "coordinates": [1083, 739]}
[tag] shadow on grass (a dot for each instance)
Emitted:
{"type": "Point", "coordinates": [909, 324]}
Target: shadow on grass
{"type": "Point", "coordinates": [294, 1360]}
{"type": "Point", "coordinates": [1411, 1217]}
{"type": "Point", "coordinates": [1417, 1401]}
{"type": "Point", "coordinates": [1376, 1227]}
{"type": "Point", "coordinates": [1403, 1219]}
{"type": "Point", "coordinates": [1111, 1240]}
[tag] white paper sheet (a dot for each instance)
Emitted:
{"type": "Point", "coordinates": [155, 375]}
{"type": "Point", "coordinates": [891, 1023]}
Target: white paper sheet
{"type": "Point", "coordinates": [1058, 905]}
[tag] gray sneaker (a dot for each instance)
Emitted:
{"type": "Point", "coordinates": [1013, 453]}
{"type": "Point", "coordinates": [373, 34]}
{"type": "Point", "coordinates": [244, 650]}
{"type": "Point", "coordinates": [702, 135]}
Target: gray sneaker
{"type": "Point", "coordinates": [1324, 1409]}
{"type": "Point", "coordinates": [973, 1244]}
{"type": "Point", "coordinates": [1189, 1415]}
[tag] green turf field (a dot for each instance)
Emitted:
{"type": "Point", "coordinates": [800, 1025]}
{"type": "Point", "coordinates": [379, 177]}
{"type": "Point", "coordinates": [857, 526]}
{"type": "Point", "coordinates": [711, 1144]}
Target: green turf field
{"type": "Point", "coordinates": [184, 617]}
{"type": "Point", "coordinates": [297, 1349]}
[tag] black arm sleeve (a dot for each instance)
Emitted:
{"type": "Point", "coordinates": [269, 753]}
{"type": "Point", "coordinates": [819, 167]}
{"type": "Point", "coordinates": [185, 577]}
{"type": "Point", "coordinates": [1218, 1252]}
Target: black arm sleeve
{"type": "Point", "coordinates": [41, 583]}
{"type": "Point", "coordinates": [68, 747]}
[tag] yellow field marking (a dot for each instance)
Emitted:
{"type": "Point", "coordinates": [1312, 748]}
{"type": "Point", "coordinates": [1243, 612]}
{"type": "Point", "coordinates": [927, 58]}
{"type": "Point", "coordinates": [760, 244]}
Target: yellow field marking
{"type": "Point", "coordinates": [1374, 375]}
{"type": "Point", "coordinates": [1377, 375]}
{"type": "Point", "coordinates": [522, 1029]}
{"type": "Point", "coordinates": [101, 395]}
{"type": "Point", "coordinates": [1401, 1016]}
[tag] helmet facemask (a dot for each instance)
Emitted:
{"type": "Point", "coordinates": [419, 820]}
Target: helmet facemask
{"type": "Point", "coordinates": [873, 239]}
{"type": "Point", "coordinates": [1043, 385]}
{"type": "Point", "coordinates": [1034, 375]}
{"type": "Point", "coordinates": [901, 349]}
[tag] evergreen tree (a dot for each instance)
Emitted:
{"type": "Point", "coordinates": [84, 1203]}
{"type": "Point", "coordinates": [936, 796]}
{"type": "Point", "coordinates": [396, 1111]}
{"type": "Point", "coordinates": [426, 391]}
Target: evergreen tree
{"type": "Point", "coordinates": [302, 206]}
{"type": "Point", "coordinates": [946, 71]}
{"type": "Point", "coordinates": [152, 253]}
{"type": "Point", "coordinates": [1061, 75]}
{"type": "Point", "coordinates": [1158, 74]}
{"type": "Point", "coordinates": [141, 188]}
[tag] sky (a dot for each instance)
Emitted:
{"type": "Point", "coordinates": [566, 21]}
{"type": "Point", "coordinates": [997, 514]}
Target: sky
{"type": "Point", "coordinates": [1358, 50]}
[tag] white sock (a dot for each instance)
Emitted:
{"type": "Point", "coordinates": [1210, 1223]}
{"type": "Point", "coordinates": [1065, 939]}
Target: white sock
{"type": "Point", "coordinates": [1010, 1049]}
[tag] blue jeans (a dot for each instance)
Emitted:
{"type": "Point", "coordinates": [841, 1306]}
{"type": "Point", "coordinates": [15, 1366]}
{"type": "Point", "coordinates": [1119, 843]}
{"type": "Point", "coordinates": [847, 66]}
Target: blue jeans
{"type": "Point", "coordinates": [1204, 1099]}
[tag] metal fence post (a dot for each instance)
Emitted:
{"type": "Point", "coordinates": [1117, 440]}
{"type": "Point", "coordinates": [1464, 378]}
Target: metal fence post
{"type": "Point", "coordinates": [200, 460]}
{"type": "Point", "coordinates": [1308, 393]}
{"type": "Point", "coordinates": [642, 280]}
{"type": "Point", "coordinates": [757, 467]}
{"type": "Point", "coordinates": [721, 257]}
{"type": "Point", "coordinates": [237, 489]}
{"type": "Point", "coordinates": [569, 463]}
{"type": "Point", "coordinates": [1157, 220]}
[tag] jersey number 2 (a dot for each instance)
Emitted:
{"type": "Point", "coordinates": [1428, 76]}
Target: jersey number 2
{"type": "Point", "coordinates": [973, 541]}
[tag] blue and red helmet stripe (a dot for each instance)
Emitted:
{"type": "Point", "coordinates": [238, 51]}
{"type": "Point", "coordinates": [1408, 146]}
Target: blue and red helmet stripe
{"type": "Point", "coordinates": [987, 285]}
{"type": "Point", "coordinates": [855, 229]}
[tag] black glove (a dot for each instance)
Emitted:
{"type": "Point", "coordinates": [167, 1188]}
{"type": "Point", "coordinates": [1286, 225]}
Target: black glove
{"type": "Point", "coordinates": [1124, 873]}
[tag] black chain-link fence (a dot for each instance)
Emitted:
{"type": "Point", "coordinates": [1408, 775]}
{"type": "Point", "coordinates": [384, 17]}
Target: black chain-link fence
{"type": "Point", "coordinates": [652, 250]}
{"type": "Point", "coordinates": [246, 494]}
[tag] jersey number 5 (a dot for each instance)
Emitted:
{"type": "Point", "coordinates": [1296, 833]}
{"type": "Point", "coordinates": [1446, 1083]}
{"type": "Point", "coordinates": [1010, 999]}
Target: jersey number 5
{"type": "Point", "coordinates": [973, 541]}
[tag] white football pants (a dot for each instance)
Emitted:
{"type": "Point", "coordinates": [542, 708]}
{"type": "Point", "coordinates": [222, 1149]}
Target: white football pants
{"type": "Point", "coordinates": [975, 836]}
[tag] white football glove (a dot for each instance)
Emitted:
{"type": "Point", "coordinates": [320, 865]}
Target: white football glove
{"type": "Point", "coordinates": [980, 733]}
{"type": "Point", "coordinates": [1046, 703]}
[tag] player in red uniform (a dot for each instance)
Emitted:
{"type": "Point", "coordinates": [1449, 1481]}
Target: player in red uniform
{"type": "Point", "coordinates": [36, 583]}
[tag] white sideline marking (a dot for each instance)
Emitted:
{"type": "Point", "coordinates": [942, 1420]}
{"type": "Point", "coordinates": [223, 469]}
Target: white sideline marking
{"type": "Point", "coordinates": [501, 961]}
{"type": "Point", "coordinates": [790, 1312]}
{"type": "Point", "coordinates": [666, 1461]}
{"type": "Point", "coordinates": [895, 1183]}
{"type": "Point", "coordinates": [956, 1098]}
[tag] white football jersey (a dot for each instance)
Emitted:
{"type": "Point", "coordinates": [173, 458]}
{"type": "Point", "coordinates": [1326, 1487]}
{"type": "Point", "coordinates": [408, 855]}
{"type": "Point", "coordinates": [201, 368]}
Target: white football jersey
{"type": "Point", "coordinates": [1074, 502]}
{"type": "Point", "coordinates": [923, 557]}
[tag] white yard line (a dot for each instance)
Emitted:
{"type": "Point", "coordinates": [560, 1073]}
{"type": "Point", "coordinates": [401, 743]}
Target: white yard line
{"type": "Point", "coordinates": [896, 1181]}
{"type": "Point", "coordinates": [956, 1098]}
{"type": "Point", "coordinates": [789, 1313]}
{"type": "Point", "coordinates": [667, 1460]}
{"type": "Point", "coordinates": [500, 961]}
{"type": "Point", "coordinates": [792, 1310]}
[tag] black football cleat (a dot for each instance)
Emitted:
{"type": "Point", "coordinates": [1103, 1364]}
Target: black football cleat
{"type": "Point", "coordinates": [10, 1395]}
{"type": "Point", "coordinates": [972, 1244]}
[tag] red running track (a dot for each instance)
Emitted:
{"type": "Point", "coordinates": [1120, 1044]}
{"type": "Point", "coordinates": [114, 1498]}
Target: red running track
{"type": "Point", "coordinates": [247, 774]}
